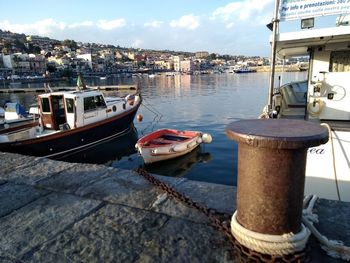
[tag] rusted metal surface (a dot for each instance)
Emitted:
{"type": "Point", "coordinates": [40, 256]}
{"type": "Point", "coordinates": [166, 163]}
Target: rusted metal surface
{"type": "Point", "coordinates": [270, 189]}
{"type": "Point", "coordinates": [277, 133]}
{"type": "Point", "coordinates": [271, 171]}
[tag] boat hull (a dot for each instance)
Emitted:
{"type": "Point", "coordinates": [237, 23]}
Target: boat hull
{"type": "Point", "coordinates": [68, 141]}
{"type": "Point", "coordinates": [155, 153]}
{"type": "Point", "coordinates": [326, 176]}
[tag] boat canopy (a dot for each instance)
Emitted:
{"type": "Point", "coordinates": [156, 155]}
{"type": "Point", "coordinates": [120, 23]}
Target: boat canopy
{"type": "Point", "coordinates": [16, 108]}
{"type": "Point", "coordinates": [298, 43]}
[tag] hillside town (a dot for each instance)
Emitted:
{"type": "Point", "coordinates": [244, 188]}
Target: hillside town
{"type": "Point", "coordinates": [29, 57]}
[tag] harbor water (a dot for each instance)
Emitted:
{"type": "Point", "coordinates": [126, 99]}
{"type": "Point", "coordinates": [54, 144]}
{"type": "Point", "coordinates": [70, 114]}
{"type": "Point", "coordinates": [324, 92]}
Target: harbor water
{"type": "Point", "coordinates": [205, 103]}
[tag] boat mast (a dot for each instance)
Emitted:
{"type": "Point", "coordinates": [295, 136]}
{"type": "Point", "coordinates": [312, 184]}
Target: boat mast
{"type": "Point", "coordinates": [273, 53]}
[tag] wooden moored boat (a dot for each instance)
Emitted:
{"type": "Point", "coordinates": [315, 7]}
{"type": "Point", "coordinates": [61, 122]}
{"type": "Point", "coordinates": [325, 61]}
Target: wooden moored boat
{"type": "Point", "coordinates": [166, 144]}
{"type": "Point", "coordinates": [70, 121]}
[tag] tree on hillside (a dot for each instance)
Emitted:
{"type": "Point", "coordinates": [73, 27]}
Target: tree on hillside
{"type": "Point", "coordinates": [19, 44]}
{"type": "Point", "coordinates": [70, 43]}
{"type": "Point", "coordinates": [212, 56]}
{"type": "Point", "coordinates": [33, 49]}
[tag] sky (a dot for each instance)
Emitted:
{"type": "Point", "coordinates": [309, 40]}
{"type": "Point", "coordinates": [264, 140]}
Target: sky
{"type": "Point", "coordinates": [216, 26]}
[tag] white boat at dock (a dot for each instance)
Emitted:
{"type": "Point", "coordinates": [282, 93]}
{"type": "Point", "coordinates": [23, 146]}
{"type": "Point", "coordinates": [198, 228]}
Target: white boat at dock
{"type": "Point", "coordinates": [323, 98]}
{"type": "Point", "coordinates": [13, 115]}
{"type": "Point", "coordinates": [71, 121]}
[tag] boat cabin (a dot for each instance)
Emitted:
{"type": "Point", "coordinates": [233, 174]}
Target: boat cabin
{"type": "Point", "coordinates": [326, 94]}
{"type": "Point", "coordinates": [324, 98]}
{"type": "Point", "coordinates": [69, 110]}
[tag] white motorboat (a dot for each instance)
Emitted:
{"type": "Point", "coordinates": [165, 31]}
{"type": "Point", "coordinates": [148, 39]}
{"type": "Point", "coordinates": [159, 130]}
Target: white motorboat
{"type": "Point", "coordinates": [14, 115]}
{"type": "Point", "coordinates": [70, 121]}
{"type": "Point", "coordinates": [323, 98]}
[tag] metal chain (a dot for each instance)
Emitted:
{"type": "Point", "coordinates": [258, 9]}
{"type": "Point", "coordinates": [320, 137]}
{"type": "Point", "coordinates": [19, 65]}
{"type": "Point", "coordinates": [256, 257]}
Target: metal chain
{"type": "Point", "coordinates": [221, 222]}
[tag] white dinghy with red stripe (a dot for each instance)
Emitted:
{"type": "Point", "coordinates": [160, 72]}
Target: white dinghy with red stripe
{"type": "Point", "coordinates": [166, 144]}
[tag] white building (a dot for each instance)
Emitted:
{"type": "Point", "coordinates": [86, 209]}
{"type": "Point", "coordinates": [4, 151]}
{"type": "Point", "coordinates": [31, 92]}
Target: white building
{"type": "Point", "coordinates": [186, 65]}
{"type": "Point", "coordinates": [87, 57]}
{"type": "Point", "coordinates": [177, 62]}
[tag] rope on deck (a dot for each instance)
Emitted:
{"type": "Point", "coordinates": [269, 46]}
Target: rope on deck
{"type": "Point", "coordinates": [333, 248]}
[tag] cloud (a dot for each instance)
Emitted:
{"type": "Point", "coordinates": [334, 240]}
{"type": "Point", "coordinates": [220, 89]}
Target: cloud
{"type": "Point", "coordinates": [243, 11]}
{"type": "Point", "coordinates": [226, 12]}
{"type": "Point", "coordinates": [81, 24]}
{"type": "Point", "coordinates": [49, 26]}
{"type": "Point", "coordinates": [137, 43]}
{"type": "Point", "coordinates": [112, 24]}
{"type": "Point", "coordinates": [154, 24]}
{"type": "Point", "coordinates": [190, 22]}
{"type": "Point", "coordinates": [42, 27]}
{"type": "Point", "coordinates": [230, 25]}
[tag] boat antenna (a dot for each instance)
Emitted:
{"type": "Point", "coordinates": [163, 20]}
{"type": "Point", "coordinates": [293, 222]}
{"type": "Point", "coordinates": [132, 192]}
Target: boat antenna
{"type": "Point", "coordinates": [275, 22]}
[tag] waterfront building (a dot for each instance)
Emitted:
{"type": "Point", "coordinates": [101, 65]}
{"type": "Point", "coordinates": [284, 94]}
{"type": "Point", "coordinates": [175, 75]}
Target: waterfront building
{"type": "Point", "coordinates": [131, 55]}
{"type": "Point", "coordinates": [18, 62]}
{"type": "Point", "coordinates": [59, 62]}
{"type": "Point", "coordinates": [37, 63]}
{"type": "Point", "coordinates": [177, 62]}
{"type": "Point", "coordinates": [202, 54]}
{"type": "Point", "coordinates": [186, 66]}
{"type": "Point", "coordinates": [87, 58]}
{"type": "Point", "coordinates": [164, 64]}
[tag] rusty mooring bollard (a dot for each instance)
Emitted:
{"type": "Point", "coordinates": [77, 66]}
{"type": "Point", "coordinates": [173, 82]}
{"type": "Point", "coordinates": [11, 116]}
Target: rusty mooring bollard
{"type": "Point", "coordinates": [271, 176]}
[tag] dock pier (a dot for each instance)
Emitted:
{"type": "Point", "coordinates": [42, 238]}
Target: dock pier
{"type": "Point", "coordinates": [43, 89]}
{"type": "Point", "coordinates": [53, 211]}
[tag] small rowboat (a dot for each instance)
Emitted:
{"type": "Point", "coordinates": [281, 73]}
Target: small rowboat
{"type": "Point", "coordinates": [166, 144]}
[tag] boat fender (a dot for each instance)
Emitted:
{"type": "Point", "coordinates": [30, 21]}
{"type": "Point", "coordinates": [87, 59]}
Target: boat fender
{"type": "Point", "coordinates": [159, 151]}
{"type": "Point", "coordinates": [130, 99]}
{"type": "Point", "coordinates": [191, 144]}
{"type": "Point", "coordinates": [139, 117]}
{"type": "Point", "coordinates": [199, 140]}
{"type": "Point", "coordinates": [206, 137]}
{"type": "Point", "coordinates": [315, 108]}
{"type": "Point", "coordinates": [131, 102]}
{"type": "Point", "coordinates": [179, 148]}
{"type": "Point", "coordinates": [137, 99]}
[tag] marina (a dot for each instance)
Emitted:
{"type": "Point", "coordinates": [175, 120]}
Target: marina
{"type": "Point", "coordinates": [185, 102]}
{"type": "Point", "coordinates": [166, 156]}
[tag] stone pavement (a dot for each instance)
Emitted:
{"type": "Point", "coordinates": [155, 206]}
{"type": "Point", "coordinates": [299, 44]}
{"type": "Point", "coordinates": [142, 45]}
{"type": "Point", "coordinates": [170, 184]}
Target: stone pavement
{"type": "Point", "coordinates": [53, 211]}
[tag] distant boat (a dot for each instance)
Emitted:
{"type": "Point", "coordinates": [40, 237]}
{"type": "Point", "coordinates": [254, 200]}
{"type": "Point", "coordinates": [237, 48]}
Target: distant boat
{"type": "Point", "coordinates": [71, 121]}
{"type": "Point", "coordinates": [167, 144]}
{"type": "Point", "coordinates": [14, 115]}
{"type": "Point", "coordinates": [244, 70]}
{"type": "Point", "coordinates": [103, 78]}
{"type": "Point", "coordinates": [303, 66]}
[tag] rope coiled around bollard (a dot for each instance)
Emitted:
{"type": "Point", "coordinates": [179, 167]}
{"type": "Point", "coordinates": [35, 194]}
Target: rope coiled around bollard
{"type": "Point", "coordinates": [269, 244]}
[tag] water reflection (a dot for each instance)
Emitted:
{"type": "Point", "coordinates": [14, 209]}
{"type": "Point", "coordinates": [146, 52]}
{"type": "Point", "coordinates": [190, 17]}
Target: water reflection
{"type": "Point", "coordinates": [180, 166]}
{"type": "Point", "coordinates": [107, 152]}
